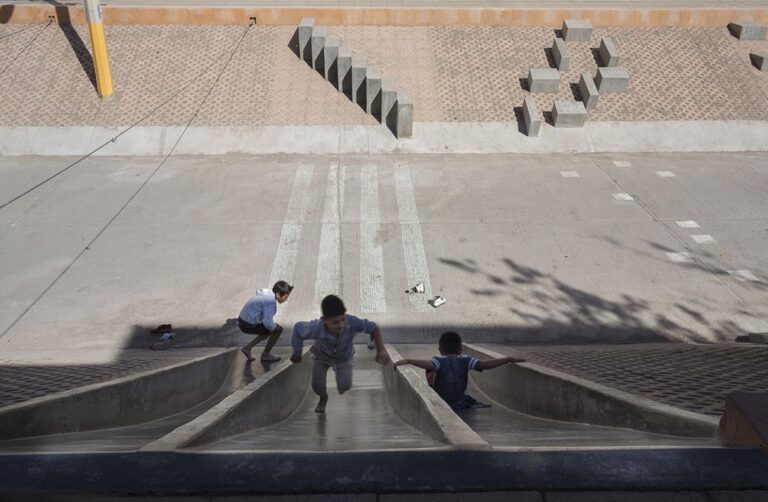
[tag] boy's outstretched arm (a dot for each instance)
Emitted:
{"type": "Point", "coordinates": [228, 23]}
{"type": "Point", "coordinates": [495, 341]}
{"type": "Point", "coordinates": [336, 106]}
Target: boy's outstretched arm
{"type": "Point", "coordinates": [495, 363]}
{"type": "Point", "coordinates": [381, 354]}
{"type": "Point", "coordinates": [420, 363]}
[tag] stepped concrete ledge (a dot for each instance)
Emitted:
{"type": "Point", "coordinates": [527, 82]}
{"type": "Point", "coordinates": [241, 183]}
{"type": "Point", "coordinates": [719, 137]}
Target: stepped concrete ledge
{"type": "Point", "coordinates": [428, 138]}
{"type": "Point", "coordinates": [549, 393]}
{"type": "Point", "coordinates": [382, 13]}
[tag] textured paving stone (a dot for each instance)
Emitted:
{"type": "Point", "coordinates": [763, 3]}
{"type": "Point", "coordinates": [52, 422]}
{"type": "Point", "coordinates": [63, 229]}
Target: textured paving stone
{"type": "Point", "coordinates": [453, 74]}
{"type": "Point", "coordinates": [692, 377]}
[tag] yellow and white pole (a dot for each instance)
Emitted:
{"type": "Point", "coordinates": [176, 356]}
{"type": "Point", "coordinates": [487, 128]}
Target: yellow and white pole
{"type": "Point", "coordinates": [99, 47]}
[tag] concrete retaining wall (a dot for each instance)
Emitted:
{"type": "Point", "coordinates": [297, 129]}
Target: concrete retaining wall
{"type": "Point", "coordinates": [126, 401]}
{"type": "Point", "coordinates": [547, 393]}
{"type": "Point", "coordinates": [340, 16]}
{"type": "Point", "coordinates": [418, 405]}
{"type": "Point", "coordinates": [428, 137]}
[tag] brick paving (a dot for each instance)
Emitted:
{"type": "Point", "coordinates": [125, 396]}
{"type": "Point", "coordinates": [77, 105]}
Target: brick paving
{"type": "Point", "coordinates": [453, 73]}
{"type": "Point", "coordinates": [693, 377]}
{"type": "Point", "coordinates": [23, 381]}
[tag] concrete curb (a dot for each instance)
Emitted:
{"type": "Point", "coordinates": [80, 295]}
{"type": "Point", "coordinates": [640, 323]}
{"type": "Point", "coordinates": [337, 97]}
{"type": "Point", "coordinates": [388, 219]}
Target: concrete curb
{"type": "Point", "coordinates": [392, 16]}
{"type": "Point", "coordinates": [428, 138]}
{"type": "Point", "coordinates": [548, 393]}
{"type": "Point", "coordinates": [418, 405]}
{"type": "Point", "coordinates": [265, 401]}
{"type": "Point", "coordinates": [125, 401]}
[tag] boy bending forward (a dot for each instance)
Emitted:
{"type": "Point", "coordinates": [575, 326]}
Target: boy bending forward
{"type": "Point", "coordinates": [451, 369]}
{"type": "Point", "coordinates": [334, 335]}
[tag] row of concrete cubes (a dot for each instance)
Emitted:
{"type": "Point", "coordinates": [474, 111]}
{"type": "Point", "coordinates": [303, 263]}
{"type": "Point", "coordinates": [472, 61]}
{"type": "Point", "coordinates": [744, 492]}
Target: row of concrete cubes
{"type": "Point", "coordinates": [607, 80]}
{"type": "Point", "coordinates": [747, 30]}
{"type": "Point", "coordinates": [608, 53]}
{"type": "Point", "coordinates": [350, 74]}
{"type": "Point", "coordinates": [564, 114]}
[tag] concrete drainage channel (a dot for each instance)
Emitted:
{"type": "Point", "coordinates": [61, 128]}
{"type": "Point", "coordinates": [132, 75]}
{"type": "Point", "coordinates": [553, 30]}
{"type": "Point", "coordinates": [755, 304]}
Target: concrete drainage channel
{"type": "Point", "coordinates": [391, 432]}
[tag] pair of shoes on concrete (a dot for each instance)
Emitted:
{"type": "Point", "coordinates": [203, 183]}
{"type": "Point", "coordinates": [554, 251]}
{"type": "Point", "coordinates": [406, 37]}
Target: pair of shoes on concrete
{"type": "Point", "coordinates": [269, 359]}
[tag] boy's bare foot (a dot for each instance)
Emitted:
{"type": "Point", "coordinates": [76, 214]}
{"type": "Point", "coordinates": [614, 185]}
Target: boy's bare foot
{"type": "Point", "coordinates": [321, 405]}
{"type": "Point", "coordinates": [247, 354]}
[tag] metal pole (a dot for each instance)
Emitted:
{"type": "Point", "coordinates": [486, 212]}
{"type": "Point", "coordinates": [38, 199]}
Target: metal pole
{"type": "Point", "coordinates": [99, 47]}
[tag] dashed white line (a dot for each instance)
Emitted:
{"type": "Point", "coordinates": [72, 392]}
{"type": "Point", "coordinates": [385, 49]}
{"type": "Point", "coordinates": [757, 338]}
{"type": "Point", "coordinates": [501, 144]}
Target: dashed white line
{"type": "Point", "coordinates": [665, 174]}
{"type": "Point", "coordinates": [744, 275]}
{"type": "Point", "coordinates": [569, 174]}
{"type": "Point", "coordinates": [687, 224]}
{"type": "Point", "coordinates": [622, 163]}
{"type": "Point", "coordinates": [703, 239]}
{"type": "Point", "coordinates": [681, 257]}
{"type": "Point", "coordinates": [623, 197]}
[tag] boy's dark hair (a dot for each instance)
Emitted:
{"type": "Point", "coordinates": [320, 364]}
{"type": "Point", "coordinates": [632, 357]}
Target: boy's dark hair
{"type": "Point", "coordinates": [282, 288]}
{"type": "Point", "coordinates": [332, 306]}
{"type": "Point", "coordinates": [450, 343]}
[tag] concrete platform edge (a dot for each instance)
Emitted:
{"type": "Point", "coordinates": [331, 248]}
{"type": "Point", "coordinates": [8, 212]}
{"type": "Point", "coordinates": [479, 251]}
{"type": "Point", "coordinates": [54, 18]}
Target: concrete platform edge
{"type": "Point", "coordinates": [428, 138]}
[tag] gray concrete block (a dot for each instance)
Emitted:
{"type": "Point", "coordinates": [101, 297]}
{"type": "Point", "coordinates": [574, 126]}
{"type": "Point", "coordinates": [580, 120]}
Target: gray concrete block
{"type": "Point", "coordinates": [561, 55]}
{"type": "Point", "coordinates": [343, 70]}
{"type": "Point", "coordinates": [609, 54]}
{"type": "Point", "coordinates": [373, 91]}
{"type": "Point", "coordinates": [543, 80]}
{"type": "Point", "coordinates": [404, 115]}
{"type": "Point", "coordinates": [611, 80]}
{"type": "Point", "coordinates": [306, 26]}
{"type": "Point", "coordinates": [748, 30]}
{"type": "Point", "coordinates": [577, 30]}
{"type": "Point", "coordinates": [317, 41]}
{"type": "Point", "coordinates": [569, 114]}
{"type": "Point", "coordinates": [357, 90]}
{"type": "Point", "coordinates": [588, 91]}
{"type": "Point", "coordinates": [531, 117]}
{"type": "Point", "coordinates": [388, 99]}
{"type": "Point", "coordinates": [759, 60]}
{"type": "Point", "coordinates": [330, 58]}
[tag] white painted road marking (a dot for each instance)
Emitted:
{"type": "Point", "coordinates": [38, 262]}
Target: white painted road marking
{"type": "Point", "coordinates": [744, 275]}
{"type": "Point", "coordinates": [703, 239]}
{"type": "Point", "coordinates": [687, 224]}
{"type": "Point", "coordinates": [287, 249]}
{"type": "Point", "coordinates": [624, 197]}
{"type": "Point", "coordinates": [665, 174]}
{"type": "Point", "coordinates": [622, 163]}
{"type": "Point", "coordinates": [372, 297]}
{"type": "Point", "coordinates": [413, 243]}
{"type": "Point", "coordinates": [328, 274]}
{"type": "Point", "coordinates": [682, 257]}
{"type": "Point", "coordinates": [569, 174]}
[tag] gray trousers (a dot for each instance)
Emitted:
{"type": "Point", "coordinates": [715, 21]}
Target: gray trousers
{"type": "Point", "coordinates": [320, 373]}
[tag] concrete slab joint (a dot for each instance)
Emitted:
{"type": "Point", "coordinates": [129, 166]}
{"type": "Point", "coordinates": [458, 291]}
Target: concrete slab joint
{"type": "Point", "coordinates": [569, 114]}
{"type": "Point", "coordinates": [612, 79]}
{"type": "Point", "coordinates": [588, 91]}
{"type": "Point", "coordinates": [609, 54]}
{"type": "Point", "coordinates": [306, 26]}
{"type": "Point", "coordinates": [319, 34]}
{"type": "Point", "coordinates": [759, 60]}
{"type": "Point", "coordinates": [577, 30]}
{"type": "Point", "coordinates": [561, 55]}
{"type": "Point", "coordinates": [543, 80]}
{"type": "Point", "coordinates": [404, 115]}
{"type": "Point", "coordinates": [746, 30]}
{"type": "Point", "coordinates": [531, 117]}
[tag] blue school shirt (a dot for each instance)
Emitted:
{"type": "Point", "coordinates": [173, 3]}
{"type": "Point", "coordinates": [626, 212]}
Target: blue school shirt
{"type": "Point", "coordinates": [333, 349]}
{"type": "Point", "coordinates": [451, 376]}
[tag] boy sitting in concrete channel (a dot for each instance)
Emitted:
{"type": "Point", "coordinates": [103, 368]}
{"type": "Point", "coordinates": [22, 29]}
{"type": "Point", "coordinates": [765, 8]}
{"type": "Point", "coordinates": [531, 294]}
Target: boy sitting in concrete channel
{"type": "Point", "coordinates": [334, 335]}
{"type": "Point", "coordinates": [451, 369]}
{"type": "Point", "coordinates": [257, 318]}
